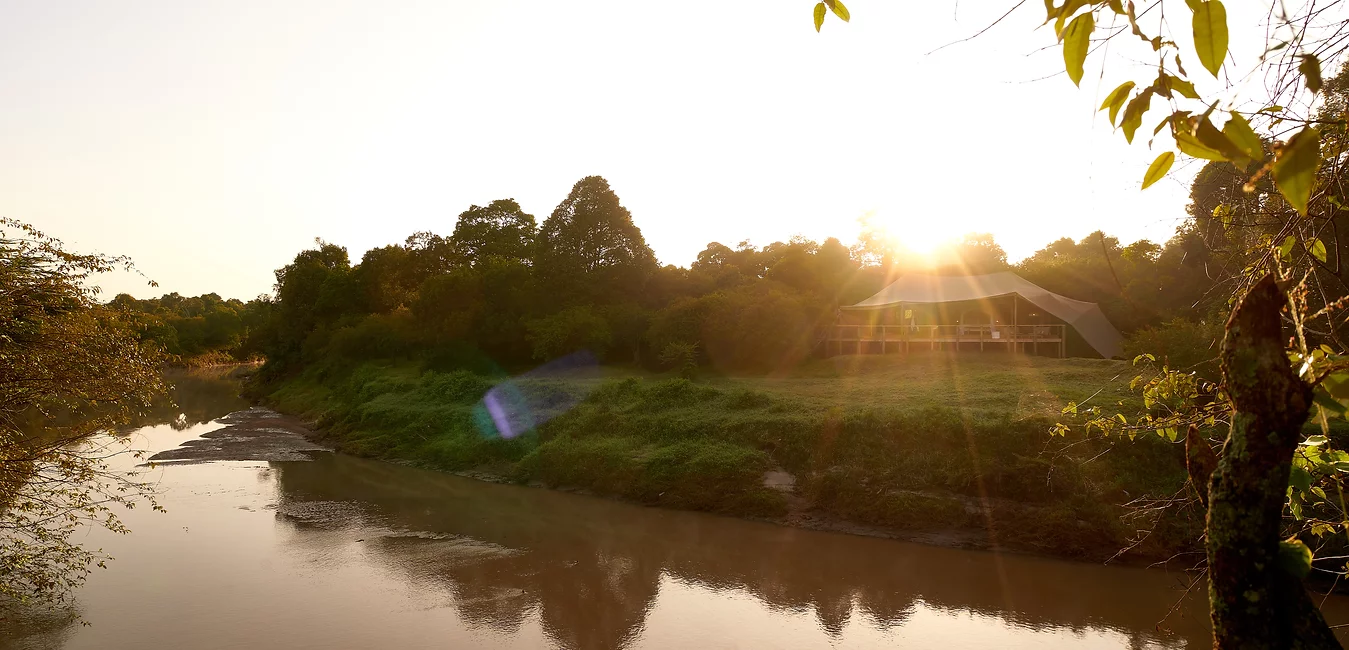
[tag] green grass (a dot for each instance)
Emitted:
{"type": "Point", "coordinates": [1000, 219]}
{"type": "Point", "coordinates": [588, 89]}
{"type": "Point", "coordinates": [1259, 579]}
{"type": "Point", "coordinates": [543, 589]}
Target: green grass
{"type": "Point", "coordinates": [917, 443]}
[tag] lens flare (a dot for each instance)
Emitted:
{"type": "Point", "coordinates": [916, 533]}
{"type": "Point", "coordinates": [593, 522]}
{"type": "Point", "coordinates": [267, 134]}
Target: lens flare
{"type": "Point", "coordinates": [520, 404]}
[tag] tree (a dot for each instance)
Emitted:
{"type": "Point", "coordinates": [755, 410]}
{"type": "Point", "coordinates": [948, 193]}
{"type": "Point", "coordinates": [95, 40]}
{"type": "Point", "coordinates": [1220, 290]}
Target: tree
{"type": "Point", "coordinates": [502, 230]}
{"type": "Point", "coordinates": [73, 369]}
{"type": "Point", "coordinates": [973, 254]}
{"type": "Point", "coordinates": [387, 277]}
{"type": "Point", "coordinates": [589, 249]}
{"type": "Point", "coordinates": [1252, 604]}
{"type": "Point", "coordinates": [301, 298]}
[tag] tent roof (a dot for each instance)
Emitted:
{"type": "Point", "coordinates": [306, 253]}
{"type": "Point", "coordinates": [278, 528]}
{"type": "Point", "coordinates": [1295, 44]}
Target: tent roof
{"type": "Point", "coordinates": [1085, 317]}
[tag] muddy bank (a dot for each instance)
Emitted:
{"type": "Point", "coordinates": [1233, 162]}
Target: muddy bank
{"type": "Point", "coordinates": [256, 433]}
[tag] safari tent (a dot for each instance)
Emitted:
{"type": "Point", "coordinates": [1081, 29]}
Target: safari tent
{"type": "Point", "coordinates": [993, 312]}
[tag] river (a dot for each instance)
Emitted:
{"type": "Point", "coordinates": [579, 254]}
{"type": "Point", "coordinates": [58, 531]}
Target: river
{"type": "Point", "coordinates": [341, 552]}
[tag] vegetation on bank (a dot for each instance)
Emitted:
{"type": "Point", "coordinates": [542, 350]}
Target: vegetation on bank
{"type": "Point", "coordinates": [197, 331]}
{"type": "Point", "coordinates": [922, 443]}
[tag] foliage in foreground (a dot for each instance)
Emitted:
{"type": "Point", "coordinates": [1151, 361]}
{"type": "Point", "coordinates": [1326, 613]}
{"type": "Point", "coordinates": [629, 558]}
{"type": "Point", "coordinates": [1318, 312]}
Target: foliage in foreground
{"type": "Point", "coordinates": [71, 369]}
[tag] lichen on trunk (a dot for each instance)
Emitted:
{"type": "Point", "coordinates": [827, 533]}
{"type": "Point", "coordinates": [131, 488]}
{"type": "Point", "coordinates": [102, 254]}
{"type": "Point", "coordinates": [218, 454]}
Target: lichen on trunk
{"type": "Point", "coordinates": [1254, 603]}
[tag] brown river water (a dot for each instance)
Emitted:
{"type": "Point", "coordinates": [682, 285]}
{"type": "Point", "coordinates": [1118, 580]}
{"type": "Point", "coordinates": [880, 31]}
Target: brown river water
{"type": "Point", "coordinates": [341, 552]}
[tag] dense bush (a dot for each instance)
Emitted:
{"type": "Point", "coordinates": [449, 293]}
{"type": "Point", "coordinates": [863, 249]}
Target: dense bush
{"type": "Point", "coordinates": [568, 331]}
{"type": "Point", "coordinates": [759, 327]}
{"type": "Point", "coordinates": [1180, 344]}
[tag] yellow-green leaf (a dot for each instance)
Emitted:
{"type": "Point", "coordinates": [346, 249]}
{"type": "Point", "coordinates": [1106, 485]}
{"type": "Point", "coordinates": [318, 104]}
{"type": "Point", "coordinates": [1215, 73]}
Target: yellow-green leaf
{"type": "Point", "coordinates": [840, 10]}
{"type": "Point", "coordinates": [1185, 88]}
{"type": "Point", "coordinates": [1133, 113]}
{"type": "Point", "coordinates": [1311, 69]}
{"type": "Point", "coordinates": [1210, 33]}
{"type": "Point", "coordinates": [1158, 169]}
{"type": "Point", "coordinates": [1317, 249]}
{"type": "Point", "coordinates": [819, 16]}
{"type": "Point", "coordinates": [1065, 12]}
{"type": "Point", "coordinates": [1239, 131]}
{"type": "Point", "coordinates": [1212, 138]}
{"type": "Point", "coordinates": [1115, 100]}
{"type": "Point", "coordinates": [1286, 248]}
{"type": "Point", "coordinates": [1076, 40]}
{"type": "Point", "coordinates": [1295, 167]}
{"type": "Point", "coordinates": [1191, 146]}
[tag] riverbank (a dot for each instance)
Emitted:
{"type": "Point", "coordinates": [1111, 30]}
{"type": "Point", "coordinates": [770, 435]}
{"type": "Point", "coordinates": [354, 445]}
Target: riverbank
{"type": "Point", "coordinates": [942, 449]}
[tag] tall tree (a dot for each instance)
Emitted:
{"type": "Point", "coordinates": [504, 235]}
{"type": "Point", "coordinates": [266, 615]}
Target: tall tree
{"type": "Point", "coordinates": [302, 299]}
{"type": "Point", "coordinates": [589, 249]}
{"type": "Point", "coordinates": [502, 230]}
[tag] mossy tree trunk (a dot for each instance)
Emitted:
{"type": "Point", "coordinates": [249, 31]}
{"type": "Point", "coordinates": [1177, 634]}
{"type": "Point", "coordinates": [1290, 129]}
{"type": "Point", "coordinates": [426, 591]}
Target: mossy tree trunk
{"type": "Point", "coordinates": [1254, 604]}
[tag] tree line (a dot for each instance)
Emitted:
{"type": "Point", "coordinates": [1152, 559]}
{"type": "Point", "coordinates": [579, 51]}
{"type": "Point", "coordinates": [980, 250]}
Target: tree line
{"type": "Point", "coordinates": [504, 291]}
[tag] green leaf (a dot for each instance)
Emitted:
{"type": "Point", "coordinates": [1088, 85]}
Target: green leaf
{"type": "Point", "coordinates": [1286, 248]}
{"type": "Point", "coordinates": [1239, 131]}
{"type": "Point", "coordinates": [1270, 109]}
{"type": "Point", "coordinates": [819, 16]}
{"type": "Point", "coordinates": [1076, 40]}
{"type": "Point", "coordinates": [1210, 33]}
{"type": "Point", "coordinates": [1330, 404]}
{"type": "Point", "coordinates": [1336, 384]}
{"type": "Point", "coordinates": [1311, 69]}
{"type": "Point", "coordinates": [1315, 441]}
{"type": "Point", "coordinates": [1158, 169]}
{"type": "Point", "coordinates": [1318, 250]}
{"type": "Point", "coordinates": [1295, 557]}
{"type": "Point", "coordinates": [1115, 100]}
{"type": "Point", "coordinates": [1133, 113]}
{"type": "Point", "coordinates": [1295, 167]}
{"type": "Point", "coordinates": [840, 10]}
{"type": "Point", "coordinates": [1300, 479]}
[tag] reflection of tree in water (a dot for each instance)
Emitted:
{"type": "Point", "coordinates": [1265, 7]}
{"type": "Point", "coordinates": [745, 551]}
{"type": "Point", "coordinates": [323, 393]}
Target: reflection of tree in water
{"type": "Point", "coordinates": [592, 568]}
{"type": "Point", "coordinates": [36, 626]}
{"type": "Point", "coordinates": [195, 397]}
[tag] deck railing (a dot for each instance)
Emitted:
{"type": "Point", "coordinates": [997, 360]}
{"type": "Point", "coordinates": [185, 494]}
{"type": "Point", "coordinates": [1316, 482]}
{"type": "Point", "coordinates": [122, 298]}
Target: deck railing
{"type": "Point", "coordinates": [902, 338]}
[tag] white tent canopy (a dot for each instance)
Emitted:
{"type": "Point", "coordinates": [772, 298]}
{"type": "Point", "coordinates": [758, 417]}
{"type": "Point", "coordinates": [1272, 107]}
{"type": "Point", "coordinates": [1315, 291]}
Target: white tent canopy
{"type": "Point", "coordinates": [1085, 317]}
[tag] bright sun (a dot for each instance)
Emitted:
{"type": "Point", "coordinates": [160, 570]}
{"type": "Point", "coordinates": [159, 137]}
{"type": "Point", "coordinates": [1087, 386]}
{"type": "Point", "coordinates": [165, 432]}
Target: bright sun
{"type": "Point", "coordinates": [923, 235]}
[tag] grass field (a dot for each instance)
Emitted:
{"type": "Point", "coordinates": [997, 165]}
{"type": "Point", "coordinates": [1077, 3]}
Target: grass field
{"type": "Point", "coordinates": [923, 443]}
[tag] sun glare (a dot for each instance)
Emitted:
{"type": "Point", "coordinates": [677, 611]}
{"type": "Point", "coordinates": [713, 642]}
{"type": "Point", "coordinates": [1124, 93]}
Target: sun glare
{"type": "Point", "coordinates": [911, 234]}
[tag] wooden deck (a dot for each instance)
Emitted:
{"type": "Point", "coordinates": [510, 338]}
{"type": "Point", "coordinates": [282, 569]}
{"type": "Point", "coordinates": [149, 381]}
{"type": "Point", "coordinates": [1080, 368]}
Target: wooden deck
{"type": "Point", "coordinates": [883, 339]}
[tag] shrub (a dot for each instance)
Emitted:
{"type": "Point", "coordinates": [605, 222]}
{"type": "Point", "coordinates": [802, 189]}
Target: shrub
{"type": "Point", "coordinates": [755, 327]}
{"type": "Point", "coordinates": [570, 330]}
{"type": "Point", "coordinates": [1181, 344]}
{"type": "Point", "coordinates": [680, 357]}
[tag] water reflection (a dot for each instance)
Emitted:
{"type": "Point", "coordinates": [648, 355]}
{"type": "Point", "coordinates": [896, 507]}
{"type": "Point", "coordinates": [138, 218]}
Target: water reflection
{"type": "Point", "coordinates": [593, 569]}
{"type": "Point", "coordinates": [196, 397]}
{"type": "Point", "coordinates": [344, 552]}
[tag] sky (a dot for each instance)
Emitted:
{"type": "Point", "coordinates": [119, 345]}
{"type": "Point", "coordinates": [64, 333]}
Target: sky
{"type": "Point", "coordinates": [211, 141]}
